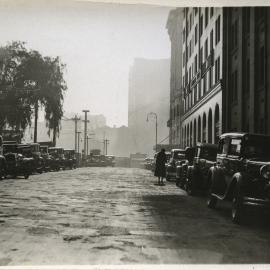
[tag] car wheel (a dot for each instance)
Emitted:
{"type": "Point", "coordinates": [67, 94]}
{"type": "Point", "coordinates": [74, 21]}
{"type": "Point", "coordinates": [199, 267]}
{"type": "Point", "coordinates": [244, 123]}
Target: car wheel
{"type": "Point", "coordinates": [237, 212]}
{"type": "Point", "coordinates": [189, 189]}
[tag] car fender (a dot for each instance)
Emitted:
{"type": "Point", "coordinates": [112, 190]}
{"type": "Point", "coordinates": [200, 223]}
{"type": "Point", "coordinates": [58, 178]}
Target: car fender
{"type": "Point", "coordinates": [213, 180]}
{"type": "Point", "coordinates": [237, 180]}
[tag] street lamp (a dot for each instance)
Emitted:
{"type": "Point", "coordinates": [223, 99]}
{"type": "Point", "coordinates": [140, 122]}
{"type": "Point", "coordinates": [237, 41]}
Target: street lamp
{"type": "Point", "coordinates": [151, 114]}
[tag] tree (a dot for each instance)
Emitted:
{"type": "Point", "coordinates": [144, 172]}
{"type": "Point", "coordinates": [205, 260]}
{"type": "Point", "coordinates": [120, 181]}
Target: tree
{"type": "Point", "coordinates": [21, 66]}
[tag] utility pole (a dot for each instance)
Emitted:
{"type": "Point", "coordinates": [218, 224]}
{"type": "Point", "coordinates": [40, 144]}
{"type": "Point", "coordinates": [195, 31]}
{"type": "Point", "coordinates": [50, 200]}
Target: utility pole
{"type": "Point", "coordinates": [78, 135]}
{"type": "Point", "coordinates": [85, 131]}
{"type": "Point", "coordinates": [106, 142]}
{"type": "Point", "coordinates": [76, 119]}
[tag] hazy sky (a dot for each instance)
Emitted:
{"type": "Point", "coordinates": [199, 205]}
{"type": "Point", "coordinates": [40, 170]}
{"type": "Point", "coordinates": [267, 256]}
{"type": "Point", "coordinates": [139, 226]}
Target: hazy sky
{"type": "Point", "coordinates": [97, 42]}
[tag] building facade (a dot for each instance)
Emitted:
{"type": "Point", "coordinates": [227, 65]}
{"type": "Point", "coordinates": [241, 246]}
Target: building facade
{"type": "Point", "coordinates": [246, 94]}
{"type": "Point", "coordinates": [174, 27]}
{"type": "Point", "coordinates": [202, 75]}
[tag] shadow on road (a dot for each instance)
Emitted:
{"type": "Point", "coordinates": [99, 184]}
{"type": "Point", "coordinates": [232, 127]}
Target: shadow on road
{"type": "Point", "coordinates": [195, 227]}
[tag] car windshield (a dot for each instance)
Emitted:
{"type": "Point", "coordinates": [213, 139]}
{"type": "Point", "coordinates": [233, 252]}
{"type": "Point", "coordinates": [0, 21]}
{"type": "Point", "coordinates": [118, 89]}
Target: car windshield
{"type": "Point", "coordinates": [257, 147]}
{"type": "Point", "coordinates": [178, 155]}
{"type": "Point", "coordinates": [9, 148]}
{"type": "Point", "coordinates": [208, 153]}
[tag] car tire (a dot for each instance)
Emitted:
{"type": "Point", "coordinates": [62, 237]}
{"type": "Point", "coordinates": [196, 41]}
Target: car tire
{"type": "Point", "coordinates": [237, 211]}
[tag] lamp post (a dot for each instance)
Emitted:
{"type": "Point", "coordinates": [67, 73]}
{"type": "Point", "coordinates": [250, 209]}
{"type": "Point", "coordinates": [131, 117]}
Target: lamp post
{"type": "Point", "coordinates": [147, 119]}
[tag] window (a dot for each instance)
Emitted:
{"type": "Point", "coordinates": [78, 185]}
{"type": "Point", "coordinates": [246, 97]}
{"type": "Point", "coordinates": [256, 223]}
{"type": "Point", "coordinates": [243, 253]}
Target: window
{"type": "Point", "coordinates": [201, 57]}
{"type": "Point", "coordinates": [206, 17]}
{"type": "Point", "coordinates": [196, 34]}
{"type": "Point", "coordinates": [217, 70]}
{"type": "Point", "coordinates": [201, 25]}
{"type": "Point", "coordinates": [206, 49]}
{"type": "Point", "coordinates": [235, 147]}
{"type": "Point", "coordinates": [189, 74]}
{"type": "Point", "coordinates": [262, 67]}
{"type": "Point", "coordinates": [184, 59]}
{"type": "Point", "coordinates": [211, 40]}
{"type": "Point", "coordinates": [190, 21]}
{"type": "Point", "coordinates": [235, 34]}
{"type": "Point", "coordinates": [234, 86]}
{"type": "Point", "coordinates": [184, 35]}
{"type": "Point", "coordinates": [210, 79]}
{"type": "Point", "coordinates": [196, 64]}
{"type": "Point", "coordinates": [204, 84]}
{"type": "Point", "coordinates": [195, 93]}
{"type": "Point", "coordinates": [211, 12]}
{"type": "Point", "coordinates": [218, 30]}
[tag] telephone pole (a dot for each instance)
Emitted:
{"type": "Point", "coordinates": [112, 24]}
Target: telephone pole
{"type": "Point", "coordinates": [85, 132]}
{"type": "Point", "coordinates": [76, 119]}
{"type": "Point", "coordinates": [78, 136]}
{"type": "Point", "coordinates": [106, 142]}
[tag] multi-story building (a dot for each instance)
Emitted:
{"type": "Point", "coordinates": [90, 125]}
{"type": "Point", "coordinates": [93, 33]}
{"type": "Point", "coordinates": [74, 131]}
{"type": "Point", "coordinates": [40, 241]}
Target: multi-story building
{"type": "Point", "coordinates": [148, 92]}
{"type": "Point", "coordinates": [174, 27]}
{"type": "Point", "coordinates": [202, 75]}
{"type": "Point", "coordinates": [246, 95]}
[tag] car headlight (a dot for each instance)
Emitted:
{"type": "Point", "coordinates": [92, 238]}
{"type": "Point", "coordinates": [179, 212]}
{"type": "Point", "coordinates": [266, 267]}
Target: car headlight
{"type": "Point", "coordinates": [265, 171]}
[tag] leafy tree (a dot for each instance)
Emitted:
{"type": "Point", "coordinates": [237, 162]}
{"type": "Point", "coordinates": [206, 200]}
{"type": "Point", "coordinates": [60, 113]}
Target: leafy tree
{"type": "Point", "coordinates": [21, 66]}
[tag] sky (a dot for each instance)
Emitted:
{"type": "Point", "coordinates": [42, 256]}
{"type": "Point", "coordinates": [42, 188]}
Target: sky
{"type": "Point", "coordinates": [97, 42]}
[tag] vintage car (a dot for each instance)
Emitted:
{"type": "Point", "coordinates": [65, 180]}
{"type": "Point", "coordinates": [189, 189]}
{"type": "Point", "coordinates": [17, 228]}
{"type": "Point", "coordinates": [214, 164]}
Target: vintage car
{"type": "Point", "coordinates": [241, 174]}
{"type": "Point", "coordinates": [110, 160]}
{"type": "Point", "coordinates": [176, 156]}
{"type": "Point", "coordinates": [182, 166]}
{"type": "Point", "coordinates": [16, 163]}
{"type": "Point", "coordinates": [70, 159]}
{"type": "Point", "coordinates": [58, 158]}
{"type": "Point", "coordinates": [197, 174]}
{"type": "Point", "coordinates": [2, 160]}
{"type": "Point", "coordinates": [47, 160]}
{"type": "Point", "coordinates": [32, 150]}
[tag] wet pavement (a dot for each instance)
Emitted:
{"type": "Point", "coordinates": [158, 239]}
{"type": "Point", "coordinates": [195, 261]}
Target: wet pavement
{"type": "Point", "coordinates": [118, 216]}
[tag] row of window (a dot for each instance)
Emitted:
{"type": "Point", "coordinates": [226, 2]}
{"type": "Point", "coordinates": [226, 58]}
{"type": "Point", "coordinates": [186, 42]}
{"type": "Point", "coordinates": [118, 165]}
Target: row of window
{"type": "Point", "coordinates": [205, 85]}
{"type": "Point", "coordinates": [190, 48]}
{"type": "Point", "coordinates": [191, 18]}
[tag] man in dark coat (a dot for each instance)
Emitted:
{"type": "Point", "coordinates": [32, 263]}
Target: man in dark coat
{"type": "Point", "coordinates": [160, 170]}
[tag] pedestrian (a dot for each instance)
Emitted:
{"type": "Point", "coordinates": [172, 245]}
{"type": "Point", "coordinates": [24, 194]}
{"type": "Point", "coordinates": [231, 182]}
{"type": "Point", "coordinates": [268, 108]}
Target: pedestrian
{"type": "Point", "coordinates": [160, 170]}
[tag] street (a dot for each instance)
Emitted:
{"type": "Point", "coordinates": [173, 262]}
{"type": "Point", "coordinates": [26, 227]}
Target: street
{"type": "Point", "coordinates": [118, 216]}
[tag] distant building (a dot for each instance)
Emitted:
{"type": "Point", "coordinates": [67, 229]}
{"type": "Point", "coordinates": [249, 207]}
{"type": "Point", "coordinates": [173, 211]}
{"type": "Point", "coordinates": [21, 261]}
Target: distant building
{"type": "Point", "coordinates": [149, 82]}
{"type": "Point", "coordinates": [174, 27]}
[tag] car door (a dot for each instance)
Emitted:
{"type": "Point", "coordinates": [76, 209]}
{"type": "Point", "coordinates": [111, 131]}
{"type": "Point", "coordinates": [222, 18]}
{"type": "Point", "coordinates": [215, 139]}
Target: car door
{"type": "Point", "coordinates": [233, 159]}
{"type": "Point", "coordinates": [219, 182]}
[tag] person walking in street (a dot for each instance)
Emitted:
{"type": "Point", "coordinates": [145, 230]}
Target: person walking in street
{"type": "Point", "coordinates": [160, 170]}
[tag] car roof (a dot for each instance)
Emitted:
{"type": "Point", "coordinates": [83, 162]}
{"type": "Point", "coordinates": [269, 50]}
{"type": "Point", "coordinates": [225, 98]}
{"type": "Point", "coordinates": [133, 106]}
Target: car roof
{"type": "Point", "coordinates": [242, 134]}
{"type": "Point", "coordinates": [208, 145]}
{"type": "Point", "coordinates": [176, 150]}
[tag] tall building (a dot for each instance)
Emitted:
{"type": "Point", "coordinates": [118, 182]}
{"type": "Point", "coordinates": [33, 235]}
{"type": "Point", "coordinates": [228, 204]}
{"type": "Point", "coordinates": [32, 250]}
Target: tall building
{"type": "Point", "coordinates": [202, 75]}
{"type": "Point", "coordinates": [174, 27]}
{"type": "Point", "coordinates": [246, 94]}
{"type": "Point", "coordinates": [148, 92]}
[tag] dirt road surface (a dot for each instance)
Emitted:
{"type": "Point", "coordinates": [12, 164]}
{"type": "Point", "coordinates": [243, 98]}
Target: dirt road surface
{"type": "Point", "coordinates": [118, 216]}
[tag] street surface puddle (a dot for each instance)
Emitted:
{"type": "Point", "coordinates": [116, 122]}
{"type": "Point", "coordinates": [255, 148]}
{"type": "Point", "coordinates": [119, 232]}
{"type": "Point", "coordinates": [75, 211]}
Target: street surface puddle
{"type": "Point", "coordinates": [41, 231]}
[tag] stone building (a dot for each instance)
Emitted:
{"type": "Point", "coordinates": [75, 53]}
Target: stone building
{"type": "Point", "coordinates": [246, 96]}
{"type": "Point", "coordinates": [202, 75]}
{"type": "Point", "coordinates": [174, 27]}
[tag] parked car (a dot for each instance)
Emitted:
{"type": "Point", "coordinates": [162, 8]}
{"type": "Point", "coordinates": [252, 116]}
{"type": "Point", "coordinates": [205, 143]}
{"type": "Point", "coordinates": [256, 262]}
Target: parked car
{"type": "Point", "coordinates": [197, 174]}
{"type": "Point", "coordinates": [242, 173]}
{"type": "Point", "coordinates": [16, 163]}
{"type": "Point", "coordinates": [182, 166]}
{"type": "Point", "coordinates": [58, 159]}
{"type": "Point", "coordinates": [47, 159]}
{"type": "Point", "coordinates": [110, 160]}
{"type": "Point", "coordinates": [176, 156]}
{"type": "Point", "coordinates": [70, 159]}
{"type": "Point", "coordinates": [2, 160]}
